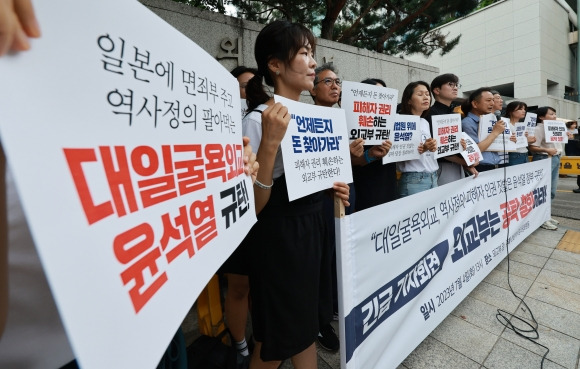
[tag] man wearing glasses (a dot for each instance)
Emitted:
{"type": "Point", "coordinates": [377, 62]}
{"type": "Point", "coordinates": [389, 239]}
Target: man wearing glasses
{"type": "Point", "coordinates": [444, 89]}
{"type": "Point", "coordinates": [326, 92]}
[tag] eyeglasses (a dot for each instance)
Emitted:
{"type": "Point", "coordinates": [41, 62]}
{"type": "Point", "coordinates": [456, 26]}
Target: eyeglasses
{"type": "Point", "coordinates": [329, 81]}
{"type": "Point", "coordinates": [453, 84]}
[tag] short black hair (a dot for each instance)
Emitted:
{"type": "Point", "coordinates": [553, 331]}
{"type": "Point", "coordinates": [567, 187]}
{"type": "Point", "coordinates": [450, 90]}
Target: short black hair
{"type": "Point", "coordinates": [513, 106]}
{"type": "Point", "coordinates": [475, 95]}
{"type": "Point", "coordinates": [374, 81]}
{"type": "Point", "coordinates": [241, 69]}
{"type": "Point", "coordinates": [443, 79]}
{"type": "Point", "coordinates": [541, 112]}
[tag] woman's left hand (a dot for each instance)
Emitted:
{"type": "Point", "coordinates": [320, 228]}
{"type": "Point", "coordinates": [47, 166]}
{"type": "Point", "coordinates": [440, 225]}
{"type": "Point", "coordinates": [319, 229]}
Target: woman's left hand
{"type": "Point", "coordinates": [430, 144]}
{"type": "Point", "coordinates": [342, 190]}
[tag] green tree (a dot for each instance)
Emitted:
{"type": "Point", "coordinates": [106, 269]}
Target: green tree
{"type": "Point", "coordinates": [394, 27]}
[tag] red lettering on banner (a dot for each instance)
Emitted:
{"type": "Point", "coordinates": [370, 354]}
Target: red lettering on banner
{"type": "Point", "coordinates": [136, 243]}
{"type": "Point", "coordinates": [158, 174]}
{"type": "Point", "coordinates": [75, 158]}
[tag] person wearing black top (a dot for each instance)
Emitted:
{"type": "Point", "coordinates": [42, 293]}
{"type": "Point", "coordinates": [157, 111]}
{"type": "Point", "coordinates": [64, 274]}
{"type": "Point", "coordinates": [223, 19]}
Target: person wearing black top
{"type": "Point", "coordinates": [374, 182]}
{"type": "Point", "coordinates": [444, 89]}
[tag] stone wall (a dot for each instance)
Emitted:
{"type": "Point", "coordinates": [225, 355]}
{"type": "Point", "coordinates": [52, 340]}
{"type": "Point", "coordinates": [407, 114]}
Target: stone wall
{"type": "Point", "coordinates": [231, 41]}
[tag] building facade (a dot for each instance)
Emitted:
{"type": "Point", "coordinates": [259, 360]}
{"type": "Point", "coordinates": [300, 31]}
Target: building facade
{"type": "Point", "coordinates": [522, 48]}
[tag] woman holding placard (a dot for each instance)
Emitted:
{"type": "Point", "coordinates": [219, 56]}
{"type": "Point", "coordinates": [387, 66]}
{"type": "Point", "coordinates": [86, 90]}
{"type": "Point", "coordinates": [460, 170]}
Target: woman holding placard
{"type": "Point", "coordinates": [419, 174]}
{"type": "Point", "coordinates": [516, 112]}
{"type": "Point", "coordinates": [286, 242]}
{"type": "Point", "coordinates": [547, 150]}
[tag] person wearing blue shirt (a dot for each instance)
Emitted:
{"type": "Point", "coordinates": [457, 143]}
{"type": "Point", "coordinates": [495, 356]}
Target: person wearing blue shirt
{"type": "Point", "coordinates": [480, 102]}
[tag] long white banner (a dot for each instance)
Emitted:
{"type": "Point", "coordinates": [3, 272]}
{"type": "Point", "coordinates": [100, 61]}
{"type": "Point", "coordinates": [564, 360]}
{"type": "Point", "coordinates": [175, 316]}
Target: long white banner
{"type": "Point", "coordinates": [405, 265]}
{"type": "Point", "coordinates": [125, 141]}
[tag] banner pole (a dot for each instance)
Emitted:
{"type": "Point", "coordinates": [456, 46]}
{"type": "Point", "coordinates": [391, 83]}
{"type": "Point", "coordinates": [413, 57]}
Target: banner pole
{"type": "Point", "coordinates": [339, 228]}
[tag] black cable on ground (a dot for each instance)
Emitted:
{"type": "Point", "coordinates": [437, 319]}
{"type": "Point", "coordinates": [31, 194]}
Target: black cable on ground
{"type": "Point", "coordinates": [505, 317]}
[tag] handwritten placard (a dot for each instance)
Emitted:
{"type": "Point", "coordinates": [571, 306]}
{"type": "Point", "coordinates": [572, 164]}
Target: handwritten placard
{"type": "Point", "coordinates": [555, 131]}
{"type": "Point", "coordinates": [406, 138]}
{"type": "Point", "coordinates": [447, 131]}
{"type": "Point", "coordinates": [471, 154]}
{"type": "Point", "coordinates": [315, 148]}
{"type": "Point", "coordinates": [502, 142]}
{"type": "Point", "coordinates": [368, 109]}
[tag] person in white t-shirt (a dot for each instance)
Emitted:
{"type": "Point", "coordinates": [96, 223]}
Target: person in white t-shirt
{"type": "Point", "coordinates": [419, 174]}
{"type": "Point", "coordinates": [516, 112]}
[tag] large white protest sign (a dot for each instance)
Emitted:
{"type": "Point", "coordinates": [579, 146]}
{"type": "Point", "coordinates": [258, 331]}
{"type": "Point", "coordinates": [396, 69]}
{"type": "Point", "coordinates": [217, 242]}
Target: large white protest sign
{"type": "Point", "coordinates": [128, 159]}
{"type": "Point", "coordinates": [472, 153]}
{"type": "Point", "coordinates": [530, 121]}
{"type": "Point", "coordinates": [400, 275]}
{"type": "Point", "coordinates": [406, 138]}
{"type": "Point", "coordinates": [519, 128]}
{"type": "Point", "coordinates": [315, 148]}
{"type": "Point", "coordinates": [502, 142]}
{"type": "Point", "coordinates": [447, 132]}
{"type": "Point", "coordinates": [368, 111]}
{"type": "Point", "coordinates": [555, 131]}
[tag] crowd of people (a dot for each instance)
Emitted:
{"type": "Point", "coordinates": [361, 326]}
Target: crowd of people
{"type": "Point", "coordinates": [373, 184]}
{"type": "Point", "coordinates": [285, 268]}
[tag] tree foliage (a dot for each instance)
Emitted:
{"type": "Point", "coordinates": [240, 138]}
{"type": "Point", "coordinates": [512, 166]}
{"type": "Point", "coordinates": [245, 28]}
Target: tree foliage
{"type": "Point", "coordinates": [394, 27]}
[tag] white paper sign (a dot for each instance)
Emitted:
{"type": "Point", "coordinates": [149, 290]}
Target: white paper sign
{"type": "Point", "coordinates": [401, 275]}
{"type": "Point", "coordinates": [130, 170]}
{"type": "Point", "coordinates": [502, 142]}
{"type": "Point", "coordinates": [315, 148]}
{"type": "Point", "coordinates": [447, 132]}
{"type": "Point", "coordinates": [555, 131]}
{"type": "Point", "coordinates": [471, 154]}
{"type": "Point", "coordinates": [368, 111]}
{"type": "Point", "coordinates": [406, 138]}
{"type": "Point", "coordinates": [520, 130]}
{"type": "Point", "coordinates": [530, 121]}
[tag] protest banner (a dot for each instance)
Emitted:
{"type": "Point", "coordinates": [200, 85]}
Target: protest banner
{"type": "Point", "coordinates": [530, 121]}
{"type": "Point", "coordinates": [130, 171]}
{"type": "Point", "coordinates": [502, 142]}
{"type": "Point", "coordinates": [555, 131]}
{"type": "Point", "coordinates": [520, 130]}
{"type": "Point", "coordinates": [315, 148]}
{"type": "Point", "coordinates": [369, 110]}
{"type": "Point", "coordinates": [471, 154]}
{"type": "Point", "coordinates": [406, 138]}
{"type": "Point", "coordinates": [447, 132]}
{"type": "Point", "coordinates": [400, 275]}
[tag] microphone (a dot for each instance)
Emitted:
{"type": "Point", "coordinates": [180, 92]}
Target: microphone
{"type": "Point", "coordinates": [497, 114]}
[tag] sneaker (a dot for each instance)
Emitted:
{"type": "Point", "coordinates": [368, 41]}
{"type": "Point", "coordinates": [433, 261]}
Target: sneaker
{"type": "Point", "coordinates": [328, 339]}
{"type": "Point", "coordinates": [576, 190]}
{"type": "Point", "coordinates": [242, 362]}
{"type": "Point", "coordinates": [549, 226]}
{"type": "Point", "coordinates": [553, 221]}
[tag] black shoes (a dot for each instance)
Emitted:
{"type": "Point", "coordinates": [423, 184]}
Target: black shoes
{"type": "Point", "coordinates": [328, 339]}
{"type": "Point", "coordinates": [576, 190]}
